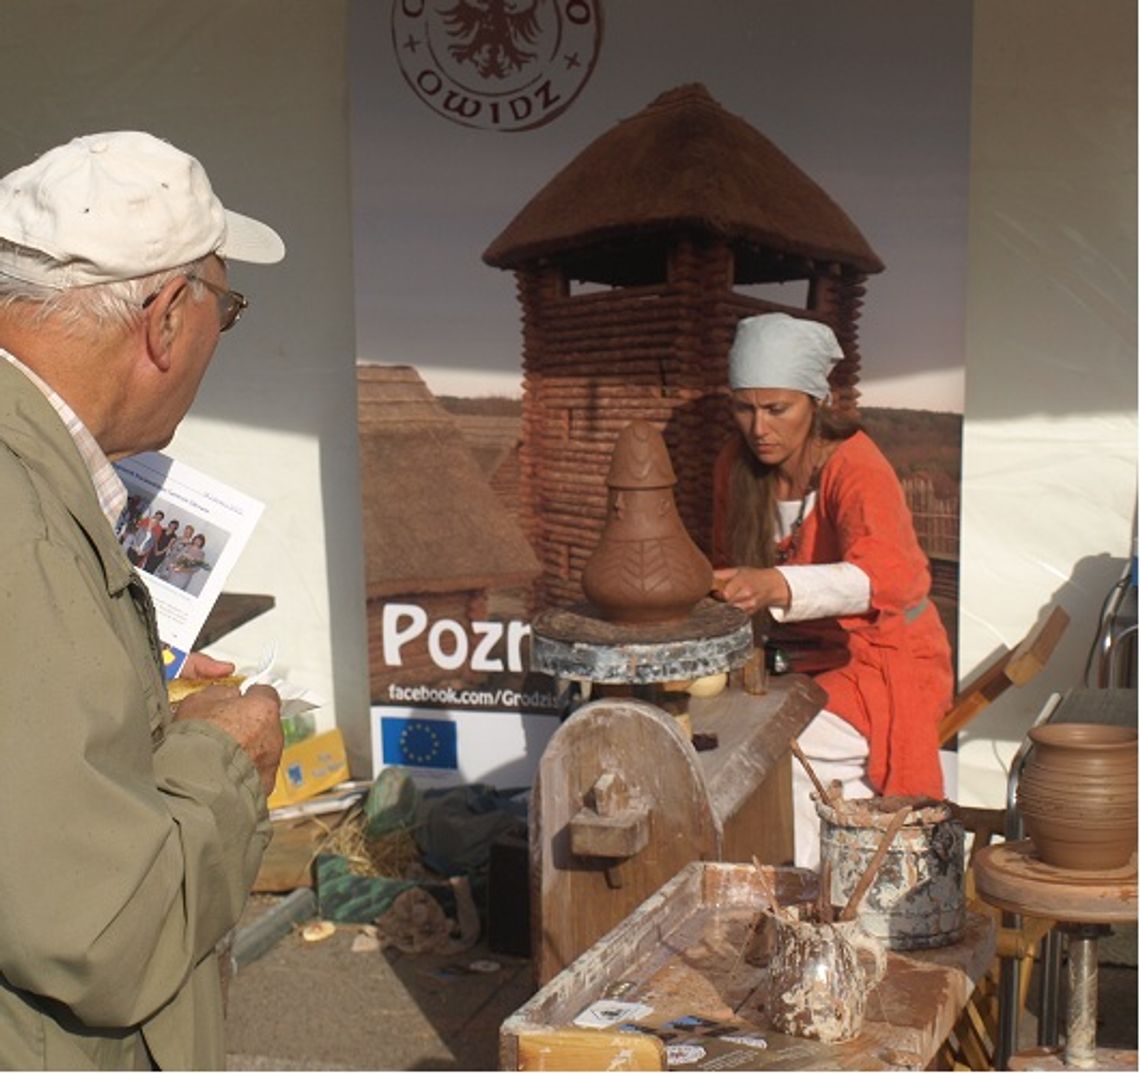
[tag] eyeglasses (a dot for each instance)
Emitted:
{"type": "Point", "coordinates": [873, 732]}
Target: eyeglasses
{"type": "Point", "coordinates": [231, 304]}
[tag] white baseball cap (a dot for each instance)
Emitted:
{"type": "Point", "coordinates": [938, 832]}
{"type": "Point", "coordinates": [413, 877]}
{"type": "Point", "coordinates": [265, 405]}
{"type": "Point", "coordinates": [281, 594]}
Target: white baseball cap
{"type": "Point", "coordinates": [115, 206]}
{"type": "Point", "coordinates": [780, 351]}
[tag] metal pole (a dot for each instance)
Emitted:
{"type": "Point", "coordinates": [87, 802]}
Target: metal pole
{"type": "Point", "coordinates": [1080, 1021]}
{"type": "Point", "coordinates": [1009, 1007]}
{"type": "Point", "coordinates": [1049, 1021]}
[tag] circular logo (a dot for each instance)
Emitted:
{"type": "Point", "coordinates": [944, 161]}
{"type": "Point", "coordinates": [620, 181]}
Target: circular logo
{"type": "Point", "coordinates": [497, 64]}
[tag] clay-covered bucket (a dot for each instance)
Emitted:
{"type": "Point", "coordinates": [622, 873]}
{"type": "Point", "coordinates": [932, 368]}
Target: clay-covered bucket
{"type": "Point", "coordinates": [917, 900]}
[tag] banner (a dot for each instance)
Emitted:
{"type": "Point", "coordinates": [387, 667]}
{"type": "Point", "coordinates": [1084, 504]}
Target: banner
{"type": "Point", "coordinates": [556, 230]}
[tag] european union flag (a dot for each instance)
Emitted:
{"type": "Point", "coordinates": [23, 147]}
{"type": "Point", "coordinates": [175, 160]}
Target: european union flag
{"type": "Point", "coordinates": [419, 742]}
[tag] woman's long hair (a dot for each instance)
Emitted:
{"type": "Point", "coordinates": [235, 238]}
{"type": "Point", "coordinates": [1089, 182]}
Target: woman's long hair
{"type": "Point", "coordinates": [751, 529]}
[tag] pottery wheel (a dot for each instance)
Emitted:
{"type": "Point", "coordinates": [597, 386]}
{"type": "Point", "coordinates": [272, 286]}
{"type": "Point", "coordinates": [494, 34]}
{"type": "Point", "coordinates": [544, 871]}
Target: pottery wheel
{"type": "Point", "coordinates": [577, 643]}
{"type": "Point", "coordinates": [1012, 877]}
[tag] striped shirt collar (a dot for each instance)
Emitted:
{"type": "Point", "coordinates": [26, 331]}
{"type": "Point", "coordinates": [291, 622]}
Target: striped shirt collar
{"type": "Point", "coordinates": [109, 488]}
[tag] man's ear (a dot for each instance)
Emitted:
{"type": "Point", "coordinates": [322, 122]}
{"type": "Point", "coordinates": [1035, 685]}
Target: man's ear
{"type": "Point", "coordinates": [164, 321]}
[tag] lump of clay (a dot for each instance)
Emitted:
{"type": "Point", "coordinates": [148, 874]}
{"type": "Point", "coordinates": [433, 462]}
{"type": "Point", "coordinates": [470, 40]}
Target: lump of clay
{"type": "Point", "coordinates": [646, 567]}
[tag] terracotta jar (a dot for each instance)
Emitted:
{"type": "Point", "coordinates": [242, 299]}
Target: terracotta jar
{"type": "Point", "coordinates": [646, 567]}
{"type": "Point", "coordinates": [1077, 795]}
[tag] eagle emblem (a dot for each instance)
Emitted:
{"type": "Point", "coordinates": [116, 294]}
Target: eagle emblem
{"type": "Point", "coordinates": [495, 36]}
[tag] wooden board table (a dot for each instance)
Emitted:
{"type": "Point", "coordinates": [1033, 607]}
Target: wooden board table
{"type": "Point", "coordinates": [680, 954]}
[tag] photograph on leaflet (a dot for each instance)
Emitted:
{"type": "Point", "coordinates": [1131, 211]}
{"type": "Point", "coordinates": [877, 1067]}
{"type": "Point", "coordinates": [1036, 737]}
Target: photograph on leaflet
{"type": "Point", "coordinates": [183, 531]}
{"type": "Point", "coordinates": [175, 545]}
{"type": "Point", "coordinates": [554, 242]}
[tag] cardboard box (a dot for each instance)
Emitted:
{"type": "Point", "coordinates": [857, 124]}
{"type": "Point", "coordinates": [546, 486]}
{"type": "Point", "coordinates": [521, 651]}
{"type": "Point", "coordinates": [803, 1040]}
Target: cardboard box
{"type": "Point", "coordinates": [310, 767]}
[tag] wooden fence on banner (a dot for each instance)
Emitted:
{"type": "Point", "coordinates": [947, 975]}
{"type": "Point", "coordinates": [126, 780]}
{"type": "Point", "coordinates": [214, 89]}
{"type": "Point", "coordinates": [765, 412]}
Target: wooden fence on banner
{"type": "Point", "coordinates": [936, 524]}
{"type": "Point", "coordinates": [935, 518]}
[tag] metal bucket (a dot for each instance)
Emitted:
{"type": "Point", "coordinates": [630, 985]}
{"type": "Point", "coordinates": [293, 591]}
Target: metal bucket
{"type": "Point", "coordinates": [917, 899]}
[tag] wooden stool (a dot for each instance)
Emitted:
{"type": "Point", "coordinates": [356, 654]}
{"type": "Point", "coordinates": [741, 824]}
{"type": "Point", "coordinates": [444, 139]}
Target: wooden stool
{"type": "Point", "coordinates": [1011, 877]}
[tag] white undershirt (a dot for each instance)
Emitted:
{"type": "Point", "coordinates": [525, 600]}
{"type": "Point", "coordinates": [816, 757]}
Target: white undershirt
{"type": "Point", "coordinates": [819, 590]}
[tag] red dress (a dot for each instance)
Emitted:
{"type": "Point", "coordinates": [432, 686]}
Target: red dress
{"type": "Point", "coordinates": [889, 672]}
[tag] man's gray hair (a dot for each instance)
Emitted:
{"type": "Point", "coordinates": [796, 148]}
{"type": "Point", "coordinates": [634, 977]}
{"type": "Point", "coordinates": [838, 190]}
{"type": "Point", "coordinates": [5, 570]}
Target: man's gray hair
{"type": "Point", "coordinates": [104, 304]}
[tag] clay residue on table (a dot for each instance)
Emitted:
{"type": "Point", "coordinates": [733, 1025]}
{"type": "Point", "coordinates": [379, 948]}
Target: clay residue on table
{"type": "Point", "coordinates": [679, 989]}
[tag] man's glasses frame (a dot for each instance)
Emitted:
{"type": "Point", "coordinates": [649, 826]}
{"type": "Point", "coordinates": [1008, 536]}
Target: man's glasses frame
{"type": "Point", "coordinates": [231, 304]}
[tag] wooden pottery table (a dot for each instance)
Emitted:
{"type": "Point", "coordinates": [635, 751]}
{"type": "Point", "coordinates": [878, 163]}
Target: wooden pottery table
{"type": "Point", "coordinates": [622, 801]}
{"type": "Point", "coordinates": [1012, 877]}
{"type": "Point", "coordinates": [693, 957]}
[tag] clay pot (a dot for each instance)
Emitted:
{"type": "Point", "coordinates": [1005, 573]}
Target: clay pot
{"type": "Point", "coordinates": [646, 567]}
{"type": "Point", "coordinates": [1077, 795]}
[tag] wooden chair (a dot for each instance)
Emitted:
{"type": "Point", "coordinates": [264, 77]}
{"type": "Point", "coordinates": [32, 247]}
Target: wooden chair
{"type": "Point", "coordinates": [1013, 668]}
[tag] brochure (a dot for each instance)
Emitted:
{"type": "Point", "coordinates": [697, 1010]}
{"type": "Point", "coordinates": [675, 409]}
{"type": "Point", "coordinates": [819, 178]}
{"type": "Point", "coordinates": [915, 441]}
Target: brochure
{"type": "Point", "coordinates": [183, 531]}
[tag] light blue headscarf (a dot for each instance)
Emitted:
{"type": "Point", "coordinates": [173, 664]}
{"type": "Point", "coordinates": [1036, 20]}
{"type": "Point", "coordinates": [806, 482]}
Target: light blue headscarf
{"type": "Point", "coordinates": [781, 351]}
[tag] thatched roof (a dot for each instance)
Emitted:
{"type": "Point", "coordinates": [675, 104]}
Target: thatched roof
{"type": "Point", "coordinates": [682, 164]}
{"type": "Point", "coordinates": [431, 521]}
{"type": "Point", "coordinates": [490, 438]}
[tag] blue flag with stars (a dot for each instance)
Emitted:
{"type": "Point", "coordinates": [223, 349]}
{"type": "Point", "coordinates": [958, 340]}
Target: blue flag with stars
{"type": "Point", "coordinates": [419, 742]}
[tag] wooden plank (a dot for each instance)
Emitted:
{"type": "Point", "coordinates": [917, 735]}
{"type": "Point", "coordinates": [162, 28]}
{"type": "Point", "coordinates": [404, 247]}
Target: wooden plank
{"type": "Point", "coordinates": [231, 610]}
{"type": "Point", "coordinates": [581, 898]}
{"type": "Point", "coordinates": [1011, 668]}
{"type": "Point", "coordinates": [752, 737]}
{"type": "Point", "coordinates": [288, 860]}
{"type": "Point", "coordinates": [1031, 655]}
{"type": "Point", "coordinates": [588, 1048]}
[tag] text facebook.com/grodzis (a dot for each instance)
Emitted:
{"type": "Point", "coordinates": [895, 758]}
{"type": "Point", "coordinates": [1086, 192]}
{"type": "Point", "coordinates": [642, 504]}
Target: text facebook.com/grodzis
{"type": "Point", "coordinates": [471, 698]}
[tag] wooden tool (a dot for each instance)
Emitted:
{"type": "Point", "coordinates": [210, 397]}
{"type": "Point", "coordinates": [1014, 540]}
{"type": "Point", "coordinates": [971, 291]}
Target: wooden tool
{"type": "Point", "coordinates": [797, 752]}
{"type": "Point", "coordinates": [868, 877]}
{"type": "Point", "coordinates": [825, 909]}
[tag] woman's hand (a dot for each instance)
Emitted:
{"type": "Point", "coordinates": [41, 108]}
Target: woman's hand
{"type": "Point", "coordinates": [752, 588]}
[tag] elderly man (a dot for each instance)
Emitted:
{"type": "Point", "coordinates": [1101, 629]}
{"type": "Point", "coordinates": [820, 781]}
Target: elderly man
{"type": "Point", "coordinates": [131, 837]}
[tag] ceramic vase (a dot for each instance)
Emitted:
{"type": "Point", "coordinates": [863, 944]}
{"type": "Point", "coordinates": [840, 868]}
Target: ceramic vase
{"type": "Point", "coordinates": [646, 567]}
{"type": "Point", "coordinates": [1077, 795]}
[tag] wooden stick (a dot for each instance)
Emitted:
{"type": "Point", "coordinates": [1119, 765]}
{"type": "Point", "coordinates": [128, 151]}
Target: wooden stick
{"type": "Point", "coordinates": [865, 880]}
{"type": "Point", "coordinates": [826, 911]}
{"type": "Point", "coordinates": [764, 875]}
{"type": "Point", "coordinates": [797, 752]}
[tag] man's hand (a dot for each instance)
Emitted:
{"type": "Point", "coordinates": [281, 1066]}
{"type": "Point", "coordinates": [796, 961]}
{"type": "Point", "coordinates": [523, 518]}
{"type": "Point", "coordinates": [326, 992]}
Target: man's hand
{"type": "Point", "coordinates": [253, 720]}
{"type": "Point", "coordinates": [752, 588]}
{"type": "Point", "coordinates": [199, 665]}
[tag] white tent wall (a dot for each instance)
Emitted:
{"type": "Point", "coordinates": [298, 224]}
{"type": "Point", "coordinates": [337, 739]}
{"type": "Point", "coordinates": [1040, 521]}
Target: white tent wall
{"type": "Point", "coordinates": [257, 90]}
{"type": "Point", "coordinates": [1049, 437]}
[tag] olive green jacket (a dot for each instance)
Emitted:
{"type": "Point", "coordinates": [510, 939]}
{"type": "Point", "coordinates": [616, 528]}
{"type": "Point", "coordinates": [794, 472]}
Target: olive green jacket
{"type": "Point", "coordinates": [128, 843]}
